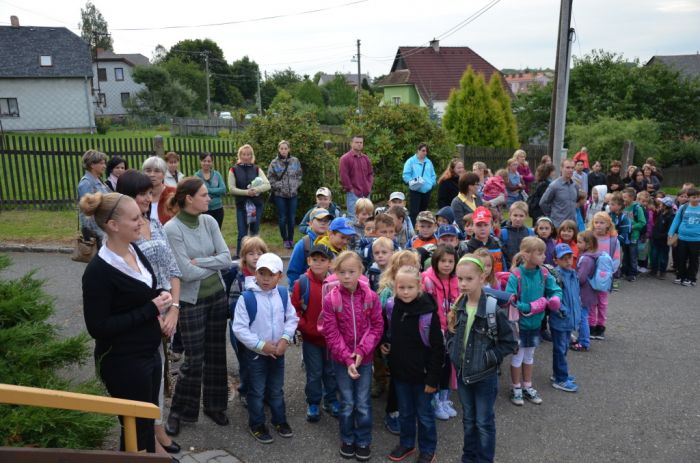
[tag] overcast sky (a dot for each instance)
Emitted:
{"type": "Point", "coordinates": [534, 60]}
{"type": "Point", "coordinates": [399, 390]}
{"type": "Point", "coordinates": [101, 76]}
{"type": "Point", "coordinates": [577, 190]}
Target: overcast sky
{"type": "Point", "coordinates": [512, 33]}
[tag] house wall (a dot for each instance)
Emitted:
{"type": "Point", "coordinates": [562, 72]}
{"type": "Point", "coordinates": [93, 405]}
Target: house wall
{"type": "Point", "coordinates": [55, 104]}
{"type": "Point", "coordinates": [407, 93]}
{"type": "Point", "coordinates": [439, 107]}
{"type": "Point", "coordinates": [113, 88]}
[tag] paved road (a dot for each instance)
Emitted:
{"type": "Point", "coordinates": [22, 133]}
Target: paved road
{"type": "Point", "coordinates": [638, 397]}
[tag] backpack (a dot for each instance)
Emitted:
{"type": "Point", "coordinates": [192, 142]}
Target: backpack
{"type": "Point", "coordinates": [331, 285]}
{"type": "Point", "coordinates": [533, 202]}
{"type": "Point", "coordinates": [424, 322]}
{"type": "Point", "coordinates": [307, 246]}
{"type": "Point", "coordinates": [304, 285]}
{"type": "Point", "coordinates": [603, 273]}
{"type": "Point", "coordinates": [251, 303]}
{"type": "Point", "coordinates": [491, 308]}
{"type": "Point", "coordinates": [513, 312]}
{"type": "Point", "coordinates": [234, 281]}
{"type": "Point", "coordinates": [643, 231]}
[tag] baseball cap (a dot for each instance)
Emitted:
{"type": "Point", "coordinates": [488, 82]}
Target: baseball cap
{"type": "Point", "coordinates": [446, 230]}
{"type": "Point", "coordinates": [323, 191]}
{"type": "Point", "coordinates": [481, 215]}
{"type": "Point", "coordinates": [342, 225]}
{"type": "Point", "coordinates": [319, 213]}
{"type": "Point", "coordinates": [397, 195]}
{"type": "Point", "coordinates": [321, 249]}
{"type": "Point", "coordinates": [270, 261]}
{"type": "Point", "coordinates": [562, 249]}
{"type": "Point", "coordinates": [425, 216]}
{"type": "Point", "coordinates": [666, 201]}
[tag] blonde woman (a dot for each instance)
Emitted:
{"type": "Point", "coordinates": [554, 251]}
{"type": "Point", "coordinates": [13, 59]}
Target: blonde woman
{"type": "Point", "coordinates": [247, 182]}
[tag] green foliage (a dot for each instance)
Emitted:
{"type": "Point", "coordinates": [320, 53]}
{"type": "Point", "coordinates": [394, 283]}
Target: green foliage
{"type": "Point", "coordinates": [284, 79]}
{"type": "Point", "coordinates": [244, 75]}
{"type": "Point", "coordinates": [473, 116]}
{"type": "Point", "coordinates": [93, 28]}
{"type": "Point", "coordinates": [191, 76]}
{"type": "Point", "coordinates": [283, 98]}
{"type": "Point", "coordinates": [102, 124]}
{"type": "Point", "coordinates": [306, 143]}
{"type": "Point", "coordinates": [162, 95]}
{"type": "Point", "coordinates": [32, 354]}
{"type": "Point", "coordinates": [392, 134]}
{"type": "Point", "coordinates": [268, 91]}
{"type": "Point", "coordinates": [308, 92]}
{"type": "Point", "coordinates": [681, 152]}
{"type": "Point", "coordinates": [604, 138]}
{"type": "Point", "coordinates": [502, 99]}
{"type": "Point", "coordinates": [532, 109]}
{"type": "Point", "coordinates": [339, 93]}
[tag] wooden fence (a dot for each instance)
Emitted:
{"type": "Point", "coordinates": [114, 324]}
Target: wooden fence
{"type": "Point", "coordinates": [185, 127]}
{"type": "Point", "coordinates": [678, 175]}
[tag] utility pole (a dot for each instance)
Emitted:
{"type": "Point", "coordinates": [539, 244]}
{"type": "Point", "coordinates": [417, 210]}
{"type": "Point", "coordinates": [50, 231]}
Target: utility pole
{"type": "Point", "coordinates": [206, 72]}
{"type": "Point", "coordinates": [359, 77]}
{"type": "Point", "coordinates": [258, 98]}
{"type": "Point", "coordinates": [557, 118]}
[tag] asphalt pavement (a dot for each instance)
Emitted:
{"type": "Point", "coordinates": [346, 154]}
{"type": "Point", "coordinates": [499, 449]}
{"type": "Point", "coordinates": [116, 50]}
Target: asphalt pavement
{"type": "Point", "coordinates": [638, 396]}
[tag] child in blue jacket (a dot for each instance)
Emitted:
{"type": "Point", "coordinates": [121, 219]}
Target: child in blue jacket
{"type": "Point", "coordinates": [566, 320]}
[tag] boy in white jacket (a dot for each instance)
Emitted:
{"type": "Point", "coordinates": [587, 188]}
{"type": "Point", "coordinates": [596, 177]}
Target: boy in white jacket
{"type": "Point", "coordinates": [265, 321]}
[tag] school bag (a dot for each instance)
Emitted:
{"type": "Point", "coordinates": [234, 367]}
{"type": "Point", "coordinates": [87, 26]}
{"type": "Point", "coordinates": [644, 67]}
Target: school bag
{"type": "Point", "coordinates": [603, 273]}
{"type": "Point", "coordinates": [251, 303]}
{"type": "Point", "coordinates": [513, 312]}
{"type": "Point", "coordinates": [304, 285]}
{"type": "Point", "coordinates": [491, 308]}
{"type": "Point", "coordinates": [331, 285]}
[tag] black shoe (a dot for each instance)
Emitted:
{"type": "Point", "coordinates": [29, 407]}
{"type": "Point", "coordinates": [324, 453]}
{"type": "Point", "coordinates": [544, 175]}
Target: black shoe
{"type": "Point", "coordinates": [362, 453]}
{"type": "Point", "coordinates": [601, 333]}
{"type": "Point", "coordinates": [174, 447]}
{"type": "Point", "coordinates": [284, 430]}
{"type": "Point", "coordinates": [594, 332]}
{"type": "Point", "coordinates": [347, 450]}
{"type": "Point", "coordinates": [546, 335]}
{"type": "Point", "coordinates": [261, 434]}
{"type": "Point", "coordinates": [426, 458]}
{"type": "Point", "coordinates": [172, 425]}
{"type": "Point", "coordinates": [400, 452]}
{"type": "Point", "coordinates": [218, 417]}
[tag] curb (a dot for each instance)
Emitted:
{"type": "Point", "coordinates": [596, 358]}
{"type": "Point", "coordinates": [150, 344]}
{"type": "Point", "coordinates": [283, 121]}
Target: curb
{"type": "Point", "coordinates": [35, 248]}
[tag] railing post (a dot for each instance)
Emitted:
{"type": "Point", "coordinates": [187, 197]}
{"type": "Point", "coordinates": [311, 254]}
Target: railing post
{"type": "Point", "coordinates": [158, 146]}
{"type": "Point", "coordinates": [462, 154]}
{"type": "Point", "coordinates": [627, 154]}
{"type": "Point", "coordinates": [130, 444]}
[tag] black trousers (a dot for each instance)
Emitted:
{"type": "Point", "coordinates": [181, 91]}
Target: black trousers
{"type": "Point", "coordinates": [134, 378]}
{"type": "Point", "coordinates": [688, 256]}
{"type": "Point", "coordinates": [218, 215]}
{"type": "Point", "coordinates": [417, 202]}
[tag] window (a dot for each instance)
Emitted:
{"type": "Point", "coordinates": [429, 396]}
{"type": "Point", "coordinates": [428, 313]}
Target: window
{"type": "Point", "coordinates": [101, 99]}
{"type": "Point", "coordinates": [102, 75]}
{"type": "Point", "coordinates": [8, 107]}
{"type": "Point", "coordinates": [45, 61]}
{"type": "Point", "coordinates": [118, 73]}
{"type": "Point", "coordinates": [396, 100]}
{"type": "Point", "coordinates": [125, 98]}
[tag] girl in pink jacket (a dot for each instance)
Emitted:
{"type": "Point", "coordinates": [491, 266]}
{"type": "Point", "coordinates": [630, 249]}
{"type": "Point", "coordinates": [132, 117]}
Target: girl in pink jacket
{"type": "Point", "coordinates": [353, 327]}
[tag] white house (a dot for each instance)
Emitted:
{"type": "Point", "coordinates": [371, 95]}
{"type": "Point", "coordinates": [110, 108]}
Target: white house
{"type": "Point", "coordinates": [114, 84]}
{"type": "Point", "coordinates": [45, 77]}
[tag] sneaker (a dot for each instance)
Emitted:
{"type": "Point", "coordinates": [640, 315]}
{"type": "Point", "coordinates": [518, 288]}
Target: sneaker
{"type": "Point", "coordinates": [568, 386]}
{"type": "Point", "coordinates": [363, 453]}
{"type": "Point", "coordinates": [677, 281]}
{"type": "Point", "coordinates": [400, 452]}
{"type": "Point", "coordinates": [332, 408]}
{"type": "Point", "coordinates": [578, 347]}
{"type": "Point", "coordinates": [313, 413]}
{"type": "Point", "coordinates": [532, 395]}
{"type": "Point", "coordinates": [601, 333]}
{"type": "Point", "coordinates": [261, 434]}
{"type": "Point", "coordinates": [593, 333]}
{"type": "Point", "coordinates": [284, 430]}
{"type": "Point", "coordinates": [642, 270]}
{"type": "Point", "coordinates": [449, 407]}
{"type": "Point", "coordinates": [693, 284]}
{"type": "Point", "coordinates": [392, 423]}
{"type": "Point", "coordinates": [571, 378]}
{"type": "Point", "coordinates": [347, 450]}
{"type": "Point", "coordinates": [426, 458]}
{"type": "Point", "coordinates": [440, 412]}
{"type": "Point", "coordinates": [632, 279]}
{"type": "Point", "coordinates": [516, 397]}
{"type": "Point", "coordinates": [546, 335]}
{"type": "Point", "coordinates": [616, 285]}
{"type": "Point", "coordinates": [687, 283]}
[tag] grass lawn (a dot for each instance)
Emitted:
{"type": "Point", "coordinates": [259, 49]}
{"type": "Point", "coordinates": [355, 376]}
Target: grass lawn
{"type": "Point", "coordinates": [60, 228]}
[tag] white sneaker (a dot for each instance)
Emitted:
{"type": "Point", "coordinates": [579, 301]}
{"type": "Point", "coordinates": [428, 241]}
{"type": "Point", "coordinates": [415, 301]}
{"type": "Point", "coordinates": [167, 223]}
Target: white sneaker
{"type": "Point", "coordinates": [643, 270]}
{"type": "Point", "coordinates": [448, 406]}
{"type": "Point", "coordinates": [440, 412]}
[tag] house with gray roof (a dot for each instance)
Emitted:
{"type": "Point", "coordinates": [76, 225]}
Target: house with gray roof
{"type": "Point", "coordinates": [114, 85]}
{"type": "Point", "coordinates": [687, 65]}
{"type": "Point", "coordinates": [45, 80]}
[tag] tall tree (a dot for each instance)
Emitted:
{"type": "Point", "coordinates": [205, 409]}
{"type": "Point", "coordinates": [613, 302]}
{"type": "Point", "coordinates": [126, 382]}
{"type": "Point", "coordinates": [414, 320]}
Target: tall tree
{"type": "Point", "coordinates": [308, 92]}
{"type": "Point", "coordinates": [162, 94]}
{"type": "Point", "coordinates": [245, 74]}
{"type": "Point", "coordinates": [93, 27]}
{"type": "Point", "coordinates": [339, 92]}
{"type": "Point", "coordinates": [502, 99]}
{"type": "Point", "coordinates": [285, 79]}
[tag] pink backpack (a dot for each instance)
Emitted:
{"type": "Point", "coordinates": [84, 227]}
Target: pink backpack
{"type": "Point", "coordinates": [331, 285]}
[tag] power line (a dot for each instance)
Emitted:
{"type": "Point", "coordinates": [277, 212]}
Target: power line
{"type": "Point", "coordinates": [242, 21]}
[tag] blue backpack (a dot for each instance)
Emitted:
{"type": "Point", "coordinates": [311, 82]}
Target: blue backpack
{"type": "Point", "coordinates": [251, 303]}
{"type": "Point", "coordinates": [603, 273]}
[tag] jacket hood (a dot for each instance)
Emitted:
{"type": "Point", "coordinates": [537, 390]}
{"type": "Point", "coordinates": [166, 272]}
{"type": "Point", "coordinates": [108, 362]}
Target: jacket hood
{"type": "Point", "coordinates": [496, 179]}
{"type": "Point", "coordinates": [602, 191]}
{"type": "Point", "coordinates": [419, 306]}
{"type": "Point", "coordinates": [447, 213]}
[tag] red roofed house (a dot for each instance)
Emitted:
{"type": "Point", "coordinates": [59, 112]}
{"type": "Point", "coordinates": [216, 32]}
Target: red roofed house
{"type": "Point", "coordinates": [424, 76]}
{"type": "Point", "coordinates": [523, 82]}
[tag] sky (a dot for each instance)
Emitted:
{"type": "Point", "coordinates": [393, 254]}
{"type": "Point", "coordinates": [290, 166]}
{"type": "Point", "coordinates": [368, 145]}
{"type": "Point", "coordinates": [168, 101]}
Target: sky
{"type": "Point", "coordinates": [290, 34]}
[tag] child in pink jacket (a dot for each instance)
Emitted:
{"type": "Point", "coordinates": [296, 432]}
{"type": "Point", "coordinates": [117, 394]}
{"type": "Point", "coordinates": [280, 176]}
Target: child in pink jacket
{"type": "Point", "coordinates": [353, 327]}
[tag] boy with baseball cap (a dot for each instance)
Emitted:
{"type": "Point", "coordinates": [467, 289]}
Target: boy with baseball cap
{"type": "Point", "coordinates": [319, 219]}
{"type": "Point", "coordinates": [265, 322]}
{"type": "Point", "coordinates": [425, 226]}
{"type": "Point", "coordinates": [324, 200]}
{"type": "Point", "coordinates": [483, 238]}
{"type": "Point", "coordinates": [339, 234]}
{"type": "Point", "coordinates": [567, 320]}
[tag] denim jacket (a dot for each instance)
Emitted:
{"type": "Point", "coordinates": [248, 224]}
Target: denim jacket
{"type": "Point", "coordinates": [482, 355]}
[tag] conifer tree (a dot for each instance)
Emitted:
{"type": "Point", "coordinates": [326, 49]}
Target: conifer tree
{"type": "Point", "coordinates": [502, 99]}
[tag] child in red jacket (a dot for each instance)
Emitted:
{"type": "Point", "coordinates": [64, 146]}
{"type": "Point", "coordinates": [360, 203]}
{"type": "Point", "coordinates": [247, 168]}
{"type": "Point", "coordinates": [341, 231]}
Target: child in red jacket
{"type": "Point", "coordinates": [308, 302]}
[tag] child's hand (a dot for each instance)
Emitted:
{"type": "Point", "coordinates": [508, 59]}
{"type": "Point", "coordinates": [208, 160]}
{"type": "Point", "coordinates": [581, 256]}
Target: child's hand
{"type": "Point", "coordinates": [357, 357]}
{"type": "Point", "coordinates": [352, 371]}
{"type": "Point", "coordinates": [385, 348]}
{"type": "Point", "coordinates": [429, 389]}
{"type": "Point", "coordinates": [270, 348]}
{"type": "Point", "coordinates": [282, 345]}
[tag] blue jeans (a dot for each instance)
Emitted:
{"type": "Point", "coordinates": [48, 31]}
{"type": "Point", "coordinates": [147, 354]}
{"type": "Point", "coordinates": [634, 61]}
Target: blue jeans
{"type": "Point", "coordinates": [265, 380]}
{"type": "Point", "coordinates": [659, 257]}
{"type": "Point", "coordinates": [478, 400]}
{"type": "Point", "coordinates": [320, 376]}
{"type": "Point", "coordinates": [286, 216]}
{"type": "Point", "coordinates": [414, 404]}
{"type": "Point", "coordinates": [584, 331]}
{"type": "Point", "coordinates": [355, 405]}
{"type": "Point", "coordinates": [629, 259]}
{"type": "Point", "coordinates": [560, 346]}
{"type": "Point", "coordinates": [242, 222]}
{"type": "Point", "coordinates": [350, 200]}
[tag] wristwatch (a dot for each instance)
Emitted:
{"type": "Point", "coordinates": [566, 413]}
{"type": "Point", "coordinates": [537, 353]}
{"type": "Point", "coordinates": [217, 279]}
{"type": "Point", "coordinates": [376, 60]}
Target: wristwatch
{"type": "Point", "coordinates": [175, 305]}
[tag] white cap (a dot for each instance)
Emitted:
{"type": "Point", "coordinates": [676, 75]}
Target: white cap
{"type": "Point", "coordinates": [397, 195]}
{"type": "Point", "coordinates": [270, 261]}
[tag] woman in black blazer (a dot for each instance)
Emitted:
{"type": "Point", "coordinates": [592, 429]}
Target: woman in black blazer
{"type": "Point", "coordinates": [122, 308]}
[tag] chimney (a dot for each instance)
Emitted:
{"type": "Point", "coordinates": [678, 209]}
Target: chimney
{"type": "Point", "coordinates": [435, 43]}
{"type": "Point", "coordinates": [14, 21]}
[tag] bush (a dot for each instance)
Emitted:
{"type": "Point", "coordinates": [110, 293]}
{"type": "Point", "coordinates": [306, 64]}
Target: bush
{"type": "Point", "coordinates": [102, 124]}
{"type": "Point", "coordinates": [392, 134]}
{"type": "Point", "coordinates": [32, 354]}
{"type": "Point", "coordinates": [681, 152]}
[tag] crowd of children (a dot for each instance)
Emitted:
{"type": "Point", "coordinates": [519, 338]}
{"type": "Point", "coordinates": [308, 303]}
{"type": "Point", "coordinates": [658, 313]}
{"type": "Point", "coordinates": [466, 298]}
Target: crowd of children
{"type": "Point", "coordinates": [384, 308]}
